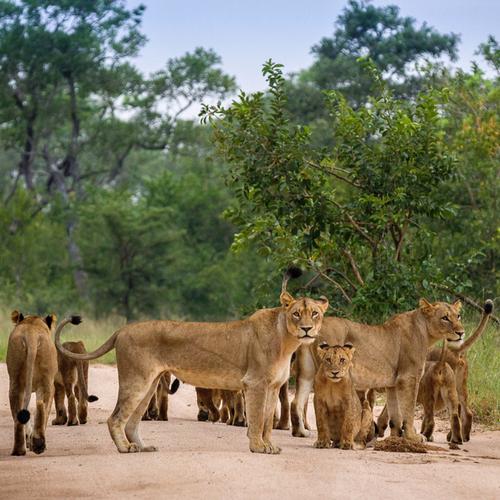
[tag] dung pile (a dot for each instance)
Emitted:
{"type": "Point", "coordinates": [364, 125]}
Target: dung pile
{"type": "Point", "coordinates": [401, 445]}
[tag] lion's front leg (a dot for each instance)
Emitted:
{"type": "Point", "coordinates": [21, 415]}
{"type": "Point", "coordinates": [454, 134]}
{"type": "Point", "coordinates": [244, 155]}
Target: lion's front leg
{"type": "Point", "coordinates": [256, 400]}
{"type": "Point", "coordinates": [272, 401]}
{"type": "Point", "coordinates": [393, 411]}
{"type": "Point", "coordinates": [407, 389]}
{"type": "Point", "coordinates": [322, 423]}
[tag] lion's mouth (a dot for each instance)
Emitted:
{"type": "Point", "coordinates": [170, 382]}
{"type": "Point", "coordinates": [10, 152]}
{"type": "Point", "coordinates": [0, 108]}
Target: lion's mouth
{"type": "Point", "coordinates": [307, 336]}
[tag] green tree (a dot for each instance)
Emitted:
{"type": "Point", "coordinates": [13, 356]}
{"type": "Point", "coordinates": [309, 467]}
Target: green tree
{"type": "Point", "coordinates": [351, 213]}
{"type": "Point", "coordinates": [468, 245]}
{"type": "Point", "coordinates": [394, 43]}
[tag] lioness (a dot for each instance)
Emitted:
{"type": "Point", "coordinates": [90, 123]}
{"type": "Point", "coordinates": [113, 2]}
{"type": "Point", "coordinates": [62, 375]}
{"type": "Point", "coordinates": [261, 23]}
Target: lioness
{"type": "Point", "coordinates": [444, 383]}
{"type": "Point", "coordinates": [391, 356]}
{"type": "Point", "coordinates": [32, 366]}
{"type": "Point", "coordinates": [72, 379]}
{"type": "Point", "coordinates": [251, 355]}
{"type": "Point", "coordinates": [340, 419]}
{"type": "Point", "coordinates": [158, 405]}
{"type": "Point", "coordinates": [456, 358]}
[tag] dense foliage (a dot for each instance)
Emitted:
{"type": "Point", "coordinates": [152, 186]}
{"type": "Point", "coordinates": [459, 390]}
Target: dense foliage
{"type": "Point", "coordinates": [380, 176]}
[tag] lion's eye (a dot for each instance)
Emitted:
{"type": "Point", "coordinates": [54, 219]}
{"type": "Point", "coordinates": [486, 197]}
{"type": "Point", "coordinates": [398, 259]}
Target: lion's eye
{"type": "Point", "coordinates": [314, 314]}
{"type": "Point", "coordinates": [445, 318]}
{"type": "Point", "coordinates": [296, 314]}
{"type": "Point", "coordinates": [459, 317]}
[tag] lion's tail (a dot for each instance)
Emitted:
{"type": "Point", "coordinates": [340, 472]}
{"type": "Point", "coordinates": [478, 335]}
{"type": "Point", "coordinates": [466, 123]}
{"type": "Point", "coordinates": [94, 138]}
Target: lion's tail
{"type": "Point", "coordinates": [76, 320]}
{"type": "Point", "coordinates": [175, 385]}
{"type": "Point", "coordinates": [82, 382]}
{"type": "Point", "coordinates": [291, 273]}
{"type": "Point", "coordinates": [487, 311]}
{"type": "Point", "coordinates": [23, 415]}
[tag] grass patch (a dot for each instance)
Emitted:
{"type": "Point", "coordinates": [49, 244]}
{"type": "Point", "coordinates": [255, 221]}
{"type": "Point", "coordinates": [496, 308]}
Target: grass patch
{"type": "Point", "coordinates": [484, 376]}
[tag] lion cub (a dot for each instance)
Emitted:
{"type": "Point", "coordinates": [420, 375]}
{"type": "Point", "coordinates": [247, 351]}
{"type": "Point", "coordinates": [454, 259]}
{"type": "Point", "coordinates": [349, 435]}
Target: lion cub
{"type": "Point", "coordinates": [32, 366]}
{"type": "Point", "coordinates": [72, 380]}
{"type": "Point", "coordinates": [340, 417]}
{"type": "Point", "coordinates": [158, 405]}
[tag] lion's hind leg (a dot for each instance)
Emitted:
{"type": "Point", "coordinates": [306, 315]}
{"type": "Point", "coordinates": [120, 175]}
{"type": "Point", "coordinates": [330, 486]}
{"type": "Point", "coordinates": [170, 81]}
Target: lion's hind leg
{"type": "Point", "coordinates": [61, 415]}
{"type": "Point", "coordinates": [450, 397]}
{"type": "Point", "coordinates": [133, 392]}
{"type": "Point", "coordinates": [69, 387]}
{"type": "Point", "coordinates": [132, 426]}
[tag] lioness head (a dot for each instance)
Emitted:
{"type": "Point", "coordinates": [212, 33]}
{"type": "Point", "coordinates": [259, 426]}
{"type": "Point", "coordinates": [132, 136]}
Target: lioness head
{"type": "Point", "coordinates": [303, 316]}
{"type": "Point", "coordinates": [336, 361]}
{"type": "Point", "coordinates": [444, 320]}
{"type": "Point", "coordinates": [17, 317]}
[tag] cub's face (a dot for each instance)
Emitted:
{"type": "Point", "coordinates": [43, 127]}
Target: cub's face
{"type": "Point", "coordinates": [444, 321]}
{"type": "Point", "coordinates": [336, 361]}
{"type": "Point", "coordinates": [303, 316]}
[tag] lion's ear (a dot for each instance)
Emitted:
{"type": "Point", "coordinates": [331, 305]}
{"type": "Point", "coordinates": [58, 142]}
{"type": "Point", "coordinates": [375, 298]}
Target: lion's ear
{"type": "Point", "coordinates": [16, 317]}
{"type": "Point", "coordinates": [322, 348]}
{"type": "Point", "coordinates": [50, 320]}
{"type": "Point", "coordinates": [457, 305]}
{"type": "Point", "coordinates": [425, 305]}
{"type": "Point", "coordinates": [323, 303]}
{"type": "Point", "coordinates": [350, 349]}
{"type": "Point", "coordinates": [286, 299]}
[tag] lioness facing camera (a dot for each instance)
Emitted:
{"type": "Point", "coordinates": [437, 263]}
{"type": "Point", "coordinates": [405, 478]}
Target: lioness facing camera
{"type": "Point", "coordinates": [252, 355]}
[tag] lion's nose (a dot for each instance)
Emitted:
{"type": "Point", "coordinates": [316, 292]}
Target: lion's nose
{"type": "Point", "coordinates": [460, 334]}
{"type": "Point", "coordinates": [306, 329]}
{"type": "Point", "coordinates": [335, 373]}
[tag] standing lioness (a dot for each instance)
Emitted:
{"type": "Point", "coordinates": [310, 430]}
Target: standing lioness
{"type": "Point", "coordinates": [32, 366]}
{"type": "Point", "coordinates": [251, 355]}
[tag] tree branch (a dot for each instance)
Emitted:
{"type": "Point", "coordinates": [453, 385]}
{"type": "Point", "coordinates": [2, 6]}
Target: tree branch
{"type": "Point", "coordinates": [333, 174]}
{"type": "Point", "coordinates": [354, 267]}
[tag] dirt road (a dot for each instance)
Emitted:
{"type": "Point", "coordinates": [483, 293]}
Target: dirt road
{"type": "Point", "coordinates": [204, 460]}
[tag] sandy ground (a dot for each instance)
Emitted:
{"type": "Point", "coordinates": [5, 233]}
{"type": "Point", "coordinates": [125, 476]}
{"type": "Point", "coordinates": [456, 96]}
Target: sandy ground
{"type": "Point", "coordinates": [204, 460]}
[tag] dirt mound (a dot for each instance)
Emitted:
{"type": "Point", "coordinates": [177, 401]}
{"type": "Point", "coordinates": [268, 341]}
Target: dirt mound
{"type": "Point", "coordinates": [401, 445]}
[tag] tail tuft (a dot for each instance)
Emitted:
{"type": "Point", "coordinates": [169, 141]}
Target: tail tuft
{"type": "Point", "coordinates": [175, 385]}
{"type": "Point", "coordinates": [76, 320]}
{"type": "Point", "coordinates": [92, 398]}
{"type": "Point", "coordinates": [488, 306]}
{"type": "Point", "coordinates": [23, 416]}
{"type": "Point", "coordinates": [294, 272]}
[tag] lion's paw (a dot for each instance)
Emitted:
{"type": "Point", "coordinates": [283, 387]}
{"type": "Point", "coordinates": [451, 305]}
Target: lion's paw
{"type": "Point", "coordinates": [322, 444]}
{"type": "Point", "coordinates": [303, 433]}
{"type": "Point", "coordinates": [133, 448]}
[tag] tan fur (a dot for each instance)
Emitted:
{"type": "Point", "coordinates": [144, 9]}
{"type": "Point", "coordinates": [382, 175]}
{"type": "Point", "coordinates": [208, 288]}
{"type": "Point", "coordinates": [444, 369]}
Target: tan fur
{"type": "Point", "coordinates": [71, 381]}
{"type": "Point", "coordinates": [208, 401]}
{"type": "Point", "coordinates": [340, 417]}
{"type": "Point", "coordinates": [32, 366]}
{"type": "Point", "coordinates": [456, 359]}
{"type": "Point", "coordinates": [444, 384]}
{"type": "Point", "coordinates": [158, 405]}
{"type": "Point", "coordinates": [251, 355]}
{"type": "Point", "coordinates": [282, 413]}
{"type": "Point", "coordinates": [226, 406]}
{"type": "Point", "coordinates": [391, 356]}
